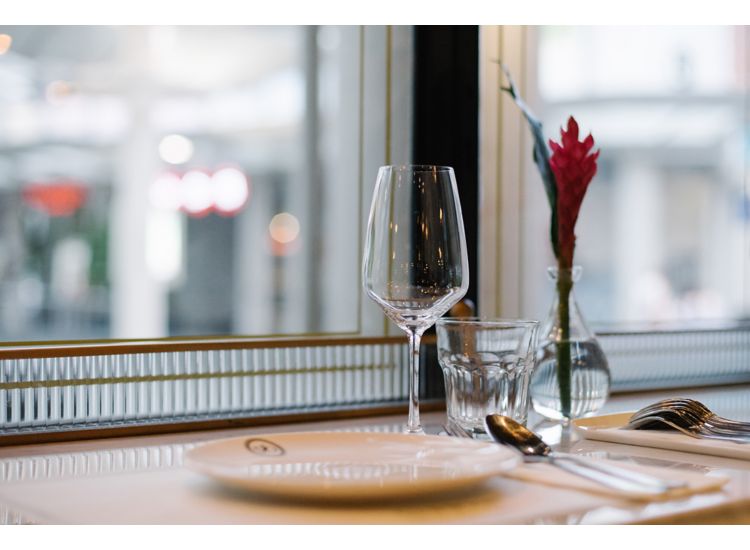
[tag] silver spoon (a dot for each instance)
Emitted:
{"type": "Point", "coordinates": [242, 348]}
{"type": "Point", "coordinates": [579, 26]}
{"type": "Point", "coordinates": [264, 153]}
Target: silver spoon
{"type": "Point", "coordinates": [509, 432]}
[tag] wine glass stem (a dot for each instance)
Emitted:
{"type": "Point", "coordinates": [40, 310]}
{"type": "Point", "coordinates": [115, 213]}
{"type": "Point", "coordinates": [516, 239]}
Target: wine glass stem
{"type": "Point", "coordinates": [414, 425]}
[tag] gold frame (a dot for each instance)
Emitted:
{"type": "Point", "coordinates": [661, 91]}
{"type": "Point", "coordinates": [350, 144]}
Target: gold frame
{"type": "Point", "coordinates": [198, 343]}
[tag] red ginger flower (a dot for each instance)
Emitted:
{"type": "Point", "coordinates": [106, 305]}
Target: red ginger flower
{"type": "Point", "coordinates": [574, 166]}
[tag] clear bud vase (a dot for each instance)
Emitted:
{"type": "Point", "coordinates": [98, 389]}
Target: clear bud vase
{"type": "Point", "coordinates": [572, 377]}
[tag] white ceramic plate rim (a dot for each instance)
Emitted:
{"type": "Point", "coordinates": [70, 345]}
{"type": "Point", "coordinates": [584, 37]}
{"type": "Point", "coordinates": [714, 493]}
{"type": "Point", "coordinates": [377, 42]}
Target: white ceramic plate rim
{"type": "Point", "coordinates": [491, 460]}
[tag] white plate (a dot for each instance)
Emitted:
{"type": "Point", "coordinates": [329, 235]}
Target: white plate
{"type": "Point", "coordinates": [350, 465]}
{"type": "Point", "coordinates": [609, 428]}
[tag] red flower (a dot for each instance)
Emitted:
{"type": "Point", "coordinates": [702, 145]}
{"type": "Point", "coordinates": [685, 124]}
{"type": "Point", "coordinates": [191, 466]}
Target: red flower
{"type": "Point", "coordinates": [574, 165]}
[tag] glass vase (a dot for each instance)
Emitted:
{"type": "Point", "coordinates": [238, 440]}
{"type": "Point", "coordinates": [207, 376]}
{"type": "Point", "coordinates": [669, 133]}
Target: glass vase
{"type": "Point", "coordinates": [572, 376]}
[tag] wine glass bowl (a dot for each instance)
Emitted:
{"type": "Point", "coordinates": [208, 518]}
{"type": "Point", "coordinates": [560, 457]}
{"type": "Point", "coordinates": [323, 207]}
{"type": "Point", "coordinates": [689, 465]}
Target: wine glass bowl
{"type": "Point", "coordinates": [415, 265]}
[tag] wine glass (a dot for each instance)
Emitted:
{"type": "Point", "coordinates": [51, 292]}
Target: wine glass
{"type": "Point", "coordinates": [415, 264]}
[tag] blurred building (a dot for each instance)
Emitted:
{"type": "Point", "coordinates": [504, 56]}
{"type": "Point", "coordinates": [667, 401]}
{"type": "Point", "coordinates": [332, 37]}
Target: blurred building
{"type": "Point", "coordinates": [161, 181]}
{"type": "Point", "coordinates": [662, 233]}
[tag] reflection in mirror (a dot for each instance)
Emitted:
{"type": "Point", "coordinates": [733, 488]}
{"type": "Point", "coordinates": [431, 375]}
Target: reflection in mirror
{"type": "Point", "coordinates": [161, 181]}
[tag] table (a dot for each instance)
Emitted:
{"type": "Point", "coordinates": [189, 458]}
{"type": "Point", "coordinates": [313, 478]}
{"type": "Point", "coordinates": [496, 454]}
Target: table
{"type": "Point", "coordinates": [141, 480]}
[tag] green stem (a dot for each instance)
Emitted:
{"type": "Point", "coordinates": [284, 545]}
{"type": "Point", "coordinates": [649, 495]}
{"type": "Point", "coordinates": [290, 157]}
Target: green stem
{"type": "Point", "coordinates": [564, 287]}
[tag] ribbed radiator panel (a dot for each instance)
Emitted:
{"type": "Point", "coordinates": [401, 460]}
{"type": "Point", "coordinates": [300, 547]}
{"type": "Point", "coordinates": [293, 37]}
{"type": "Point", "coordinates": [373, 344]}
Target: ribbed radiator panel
{"type": "Point", "coordinates": [651, 360]}
{"type": "Point", "coordinates": [54, 394]}
{"type": "Point", "coordinates": [60, 393]}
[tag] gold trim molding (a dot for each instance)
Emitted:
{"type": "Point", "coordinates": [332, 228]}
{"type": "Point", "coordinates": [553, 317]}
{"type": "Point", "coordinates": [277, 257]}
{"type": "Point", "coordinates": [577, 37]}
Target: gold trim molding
{"type": "Point", "coordinates": [125, 347]}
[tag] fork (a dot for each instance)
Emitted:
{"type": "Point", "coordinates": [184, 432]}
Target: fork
{"type": "Point", "coordinates": [694, 413]}
{"type": "Point", "coordinates": [697, 406]}
{"type": "Point", "coordinates": [649, 422]}
{"type": "Point", "coordinates": [690, 417]}
{"type": "Point", "coordinates": [693, 421]}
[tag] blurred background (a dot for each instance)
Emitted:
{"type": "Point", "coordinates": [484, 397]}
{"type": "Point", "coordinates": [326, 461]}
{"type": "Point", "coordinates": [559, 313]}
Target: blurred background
{"type": "Point", "coordinates": [663, 234]}
{"type": "Point", "coordinates": [164, 181]}
{"type": "Point", "coordinates": [159, 181]}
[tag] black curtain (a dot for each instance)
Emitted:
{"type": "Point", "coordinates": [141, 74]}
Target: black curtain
{"type": "Point", "coordinates": [446, 123]}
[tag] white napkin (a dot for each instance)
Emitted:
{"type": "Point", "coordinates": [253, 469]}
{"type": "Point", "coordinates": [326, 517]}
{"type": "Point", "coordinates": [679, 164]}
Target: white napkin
{"type": "Point", "coordinates": [549, 474]}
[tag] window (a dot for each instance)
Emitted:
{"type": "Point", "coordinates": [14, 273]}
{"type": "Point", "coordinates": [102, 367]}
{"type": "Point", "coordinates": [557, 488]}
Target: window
{"type": "Point", "coordinates": [663, 232]}
{"type": "Point", "coordinates": [664, 229]}
{"type": "Point", "coordinates": [164, 181]}
{"type": "Point", "coordinates": [329, 107]}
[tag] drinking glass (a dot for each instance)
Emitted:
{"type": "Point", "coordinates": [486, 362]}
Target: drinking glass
{"type": "Point", "coordinates": [487, 365]}
{"type": "Point", "coordinates": [415, 265]}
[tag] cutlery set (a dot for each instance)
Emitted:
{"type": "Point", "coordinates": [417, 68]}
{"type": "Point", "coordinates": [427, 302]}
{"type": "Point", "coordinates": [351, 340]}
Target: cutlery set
{"type": "Point", "coordinates": [509, 432]}
{"type": "Point", "coordinates": [686, 416]}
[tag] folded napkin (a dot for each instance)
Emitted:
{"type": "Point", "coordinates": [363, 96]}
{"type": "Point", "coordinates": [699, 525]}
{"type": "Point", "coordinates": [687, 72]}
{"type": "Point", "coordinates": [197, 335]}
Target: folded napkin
{"type": "Point", "coordinates": [541, 472]}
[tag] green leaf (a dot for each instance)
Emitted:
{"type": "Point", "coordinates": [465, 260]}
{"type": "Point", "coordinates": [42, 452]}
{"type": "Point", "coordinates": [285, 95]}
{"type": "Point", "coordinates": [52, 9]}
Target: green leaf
{"type": "Point", "coordinates": [541, 154]}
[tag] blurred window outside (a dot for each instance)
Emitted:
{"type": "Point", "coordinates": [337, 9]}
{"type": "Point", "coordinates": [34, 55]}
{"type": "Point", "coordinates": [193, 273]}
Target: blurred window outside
{"type": "Point", "coordinates": [159, 181]}
{"type": "Point", "coordinates": [664, 231]}
{"type": "Point", "coordinates": [170, 181]}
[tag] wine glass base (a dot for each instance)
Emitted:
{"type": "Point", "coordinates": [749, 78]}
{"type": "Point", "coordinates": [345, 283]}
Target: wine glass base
{"type": "Point", "coordinates": [419, 431]}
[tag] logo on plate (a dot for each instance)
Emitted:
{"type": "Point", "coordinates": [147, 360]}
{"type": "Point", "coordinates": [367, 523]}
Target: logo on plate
{"type": "Point", "coordinates": [263, 447]}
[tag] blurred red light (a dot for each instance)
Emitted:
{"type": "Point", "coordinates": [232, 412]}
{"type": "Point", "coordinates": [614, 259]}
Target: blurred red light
{"type": "Point", "coordinates": [58, 199]}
